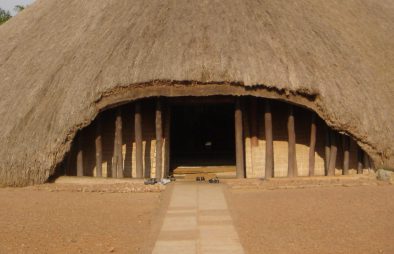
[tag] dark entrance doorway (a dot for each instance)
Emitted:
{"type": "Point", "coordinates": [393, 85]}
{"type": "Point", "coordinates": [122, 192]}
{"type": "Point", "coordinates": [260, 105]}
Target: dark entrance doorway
{"type": "Point", "coordinates": [202, 135]}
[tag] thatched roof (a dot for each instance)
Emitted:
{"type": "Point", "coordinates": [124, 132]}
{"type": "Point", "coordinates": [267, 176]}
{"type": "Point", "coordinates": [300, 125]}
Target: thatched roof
{"type": "Point", "coordinates": [61, 61]}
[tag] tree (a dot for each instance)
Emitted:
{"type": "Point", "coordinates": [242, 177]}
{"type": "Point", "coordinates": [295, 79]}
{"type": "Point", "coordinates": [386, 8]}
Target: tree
{"type": "Point", "coordinates": [19, 8]}
{"type": "Point", "coordinates": [4, 16]}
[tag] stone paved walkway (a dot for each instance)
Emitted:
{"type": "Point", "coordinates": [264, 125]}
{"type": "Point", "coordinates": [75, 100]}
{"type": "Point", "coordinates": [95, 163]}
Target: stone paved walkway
{"type": "Point", "coordinates": [197, 221]}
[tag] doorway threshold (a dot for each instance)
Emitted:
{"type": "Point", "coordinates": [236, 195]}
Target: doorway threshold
{"type": "Point", "coordinates": [191, 172]}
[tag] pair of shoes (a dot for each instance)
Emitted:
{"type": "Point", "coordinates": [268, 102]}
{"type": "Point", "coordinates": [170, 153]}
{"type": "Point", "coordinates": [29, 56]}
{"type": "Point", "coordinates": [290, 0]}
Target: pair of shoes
{"type": "Point", "coordinates": [200, 179]}
{"type": "Point", "coordinates": [214, 180]}
{"type": "Point", "coordinates": [150, 181]}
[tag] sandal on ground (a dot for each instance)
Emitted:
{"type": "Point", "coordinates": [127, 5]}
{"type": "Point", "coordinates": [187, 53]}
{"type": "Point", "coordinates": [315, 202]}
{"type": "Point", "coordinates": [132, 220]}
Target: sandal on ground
{"type": "Point", "coordinates": [150, 181]}
{"type": "Point", "coordinates": [200, 179]}
{"type": "Point", "coordinates": [214, 180]}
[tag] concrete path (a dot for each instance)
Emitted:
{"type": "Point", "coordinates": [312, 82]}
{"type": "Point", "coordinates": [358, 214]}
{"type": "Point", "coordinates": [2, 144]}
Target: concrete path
{"type": "Point", "coordinates": [197, 221]}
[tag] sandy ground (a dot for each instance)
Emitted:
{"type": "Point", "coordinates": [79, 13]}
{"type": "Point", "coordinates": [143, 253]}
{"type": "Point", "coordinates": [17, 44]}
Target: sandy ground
{"type": "Point", "coordinates": [320, 220]}
{"type": "Point", "coordinates": [33, 221]}
{"type": "Point", "coordinates": [313, 220]}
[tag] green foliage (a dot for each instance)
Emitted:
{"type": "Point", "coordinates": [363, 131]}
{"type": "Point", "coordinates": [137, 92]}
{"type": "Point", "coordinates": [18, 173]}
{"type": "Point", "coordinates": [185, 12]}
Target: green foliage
{"type": "Point", "coordinates": [4, 16]}
{"type": "Point", "coordinates": [19, 8]}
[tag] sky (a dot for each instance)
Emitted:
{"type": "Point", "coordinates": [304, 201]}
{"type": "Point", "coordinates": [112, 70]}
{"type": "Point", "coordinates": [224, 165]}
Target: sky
{"type": "Point", "coordinates": [9, 5]}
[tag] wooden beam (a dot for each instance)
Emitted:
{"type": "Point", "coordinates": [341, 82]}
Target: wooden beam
{"type": "Point", "coordinates": [80, 155]}
{"type": "Point", "coordinates": [167, 150]}
{"type": "Point", "coordinates": [360, 160]}
{"type": "Point", "coordinates": [182, 101]}
{"type": "Point", "coordinates": [239, 144]}
{"type": "Point", "coordinates": [138, 139]}
{"type": "Point", "coordinates": [292, 159]}
{"type": "Point", "coordinates": [327, 148]}
{"type": "Point", "coordinates": [99, 148]}
{"type": "Point", "coordinates": [333, 153]}
{"type": "Point", "coordinates": [119, 143]}
{"type": "Point", "coordinates": [312, 145]}
{"type": "Point", "coordinates": [346, 154]}
{"type": "Point", "coordinates": [159, 140]}
{"type": "Point", "coordinates": [269, 143]}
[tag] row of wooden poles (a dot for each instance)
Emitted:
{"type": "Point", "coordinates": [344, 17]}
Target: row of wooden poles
{"type": "Point", "coordinates": [331, 148]}
{"type": "Point", "coordinates": [117, 159]}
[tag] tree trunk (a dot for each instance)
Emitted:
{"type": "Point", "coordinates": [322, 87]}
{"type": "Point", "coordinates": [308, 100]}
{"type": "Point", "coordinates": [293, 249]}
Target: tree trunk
{"type": "Point", "coordinates": [346, 154]}
{"type": "Point", "coordinates": [333, 153]}
{"type": "Point", "coordinates": [312, 145]}
{"type": "Point", "coordinates": [138, 139]}
{"type": "Point", "coordinates": [269, 145]}
{"type": "Point", "coordinates": [292, 159]}
{"type": "Point", "coordinates": [239, 140]}
{"type": "Point", "coordinates": [159, 140]}
{"type": "Point", "coordinates": [99, 148]}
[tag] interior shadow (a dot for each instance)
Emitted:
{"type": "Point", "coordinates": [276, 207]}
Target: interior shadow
{"type": "Point", "coordinates": [202, 135]}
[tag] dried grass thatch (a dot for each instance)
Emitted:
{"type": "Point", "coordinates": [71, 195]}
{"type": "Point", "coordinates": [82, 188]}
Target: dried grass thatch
{"type": "Point", "coordinates": [63, 61]}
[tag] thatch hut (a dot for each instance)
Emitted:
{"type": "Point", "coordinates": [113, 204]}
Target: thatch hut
{"type": "Point", "coordinates": [88, 87]}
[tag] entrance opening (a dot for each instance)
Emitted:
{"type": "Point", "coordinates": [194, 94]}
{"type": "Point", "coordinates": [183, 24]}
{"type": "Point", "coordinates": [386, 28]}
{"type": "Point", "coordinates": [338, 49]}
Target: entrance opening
{"type": "Point", "coordinates": [198, 137]}
{"type": "Point", "coordinates": [202, 138]}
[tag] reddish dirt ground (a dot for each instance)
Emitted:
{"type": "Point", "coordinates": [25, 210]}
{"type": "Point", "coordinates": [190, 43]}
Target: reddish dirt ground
{"type": "Point", "coordinates": [319, 220]}
{"type": "Point", "coordinates": [34, 221]}
{"type": "Point", "coordinates": [314, 220]}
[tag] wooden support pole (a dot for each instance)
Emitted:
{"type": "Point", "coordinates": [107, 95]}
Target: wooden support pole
{"type": "Point", "coordinates": [333, 153]}
{"type": "Point", "coordinates": [366, 162]}
{"type": "Point", "coordinates": [327, 149]}
{"type": "Point", "coordinates": [80, 155]}
{"type": "Point", "coordinates": [269, 143]}
{"type": "Point", "coordinates": [119, 143]}
{"type": "Point", "coordinates": [69, 160]}
{"type": "Point", "coordinates": [346, 154]}
{"type": "Point", "coordinates": [292, 159]}
{"type": "Point", "coordinates": [312, 145]}
{"type": "Point", "coordinates": [138, 139]}
{"type": "Point", "coordinates": [99, 148]}
{"type": "Point", "coordinates": [239, 144]}
{"type": "Point", "coordinates": [115, 156]}
{"type": "Point", "coordinates": [114, 165]}
{"type": "Point", "coordinates": [167, 129]}
{"type": "Point", "coordinates": [159, 140]}
{"type": "Point", "coordinates": [360, 159]}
